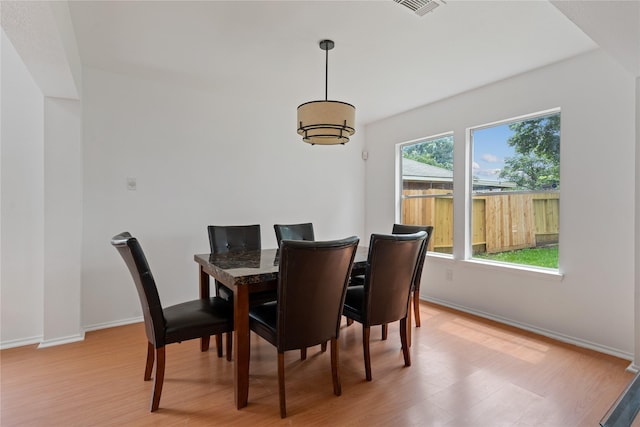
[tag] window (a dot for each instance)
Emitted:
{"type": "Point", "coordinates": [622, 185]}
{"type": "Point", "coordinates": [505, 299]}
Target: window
{"type": "Point", "coordinates": [516, 191]}
{"type": "Point", "coordinates": [427, 188]}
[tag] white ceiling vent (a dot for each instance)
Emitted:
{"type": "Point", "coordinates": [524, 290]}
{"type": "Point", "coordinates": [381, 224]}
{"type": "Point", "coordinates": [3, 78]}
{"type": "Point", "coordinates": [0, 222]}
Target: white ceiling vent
{"type": "Point", "coordinates": [420, 7]}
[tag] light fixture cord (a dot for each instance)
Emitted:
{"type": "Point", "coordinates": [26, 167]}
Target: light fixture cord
{"type": "Point", "coordinates": [326, 75]}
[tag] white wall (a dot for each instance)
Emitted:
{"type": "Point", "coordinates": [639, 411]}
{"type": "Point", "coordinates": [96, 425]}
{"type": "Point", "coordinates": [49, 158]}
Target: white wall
{"type": "Point", "coordinates": [22, 208]}
{"type": "Point", "coordinates": [62, 221]}
{"type": "Point", "coordinates": [42, 175]}
{"type": "Point", "coordinates": [593, 305]}
{"type": "Point", "coordinates": [200, 157]}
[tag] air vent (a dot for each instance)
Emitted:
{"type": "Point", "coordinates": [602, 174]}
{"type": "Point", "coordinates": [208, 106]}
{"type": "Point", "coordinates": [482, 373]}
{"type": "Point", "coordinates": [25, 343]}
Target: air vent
{"type": "Point", "coordinates": [419, 7]}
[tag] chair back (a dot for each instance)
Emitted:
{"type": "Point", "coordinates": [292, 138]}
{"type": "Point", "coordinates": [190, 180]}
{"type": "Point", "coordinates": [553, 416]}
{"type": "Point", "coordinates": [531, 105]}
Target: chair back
{"type": "Point", "coordinates": [312, 285]}
{"type": "Point", "coordinates": [294, 232]}
{"type": "Point", "coordinates": [134, 258]}
{"type": "Point", "coordinates": [233, 238]}
{"type": "Point", "coordinates": [389, 275]}
{"type": "Point", "coordinates": [410, 229]}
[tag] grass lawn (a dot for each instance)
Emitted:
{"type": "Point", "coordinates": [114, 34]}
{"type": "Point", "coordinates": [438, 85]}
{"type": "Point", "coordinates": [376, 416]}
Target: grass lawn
{"type": "Point", "coordinates": [540, 257]}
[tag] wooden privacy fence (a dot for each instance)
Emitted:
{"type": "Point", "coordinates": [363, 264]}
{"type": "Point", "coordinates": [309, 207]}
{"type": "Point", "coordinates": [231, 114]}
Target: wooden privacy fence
{"type": "Point", "coordinates": [501, 222]}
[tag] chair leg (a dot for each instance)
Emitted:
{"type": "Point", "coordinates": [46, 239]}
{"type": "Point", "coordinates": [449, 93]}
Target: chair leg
{"type": "Point", "coordinates": [385, 330]}
{"type": "Point", "coordinates": [349, 321]}
{"type": "Point", "coordinates": [148, 370]}
{"type": "Point", "coordinates": [409, 322]}
{"type": "Point", "coordinates": [403, 340]}
{"type": "Point", "coordinates": [337, 388]}
{"type": "Point", "coordinates": [303, 353]}
{"type": "Point", "coordinates": [219, 344]}
{"type": "Point", "coordinates": [416, 306]}
{"type": "Point", "coordinates": [229, 345]}
{"type": "Point", "coordinates": [408, 330]}
{"type": "Point", "coordinates": [323, 347]}
{"type": "Point", "coordinates": [366, 332]}
{"type": "Point", "coordinates": [283, 405]}
{"type": "Point", "coordinates": [158, 379]}
{"type": "Point", "coordinates": [204, 343]}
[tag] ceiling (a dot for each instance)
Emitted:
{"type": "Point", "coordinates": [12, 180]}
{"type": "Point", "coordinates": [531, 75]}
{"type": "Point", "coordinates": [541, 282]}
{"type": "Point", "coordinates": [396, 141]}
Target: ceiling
{"type": "Point", "coordinates": [386, 60]}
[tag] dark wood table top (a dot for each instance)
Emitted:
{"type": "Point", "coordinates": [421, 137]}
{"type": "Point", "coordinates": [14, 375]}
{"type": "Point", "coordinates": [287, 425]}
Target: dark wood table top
{"type": "Point", "coordinates": [248, 267]}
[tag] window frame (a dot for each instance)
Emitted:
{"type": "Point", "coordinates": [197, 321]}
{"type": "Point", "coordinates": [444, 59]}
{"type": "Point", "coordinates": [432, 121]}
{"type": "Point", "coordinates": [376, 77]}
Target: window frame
{"type": "Point", "coordinates": [468, 203]}
{"type": "Point", "coordinates": [400, 182]}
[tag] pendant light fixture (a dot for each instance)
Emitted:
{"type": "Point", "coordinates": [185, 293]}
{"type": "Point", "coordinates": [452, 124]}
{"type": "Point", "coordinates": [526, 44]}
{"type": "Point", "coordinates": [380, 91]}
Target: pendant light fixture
{"type": "Point", "coordinates": [326, 122]}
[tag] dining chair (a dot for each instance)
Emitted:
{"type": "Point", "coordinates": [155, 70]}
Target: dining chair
{"type": "Point", "coordinates": [384, 296]}
{"type": "Point", "coordinates": [177, 323]}
{"type": "Point", "coordinates": [232, 238]}
{"type": "Point", "coordinates": [294, 232]}
{"type": "Point", "coordinates": [415, 289]}
{"type": "Point", "coordinates": [236, 238]}
{"type": "Point", "coordinates": [312, 283]}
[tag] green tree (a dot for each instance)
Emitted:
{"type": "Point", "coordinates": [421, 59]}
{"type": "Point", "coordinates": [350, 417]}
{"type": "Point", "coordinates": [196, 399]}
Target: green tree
{"type": "Point", "coordinates": [436, 152]}
{"type": "Point", "coordinates": [531, 172]}
{"type": "Point", "coordinates": [536, 165]}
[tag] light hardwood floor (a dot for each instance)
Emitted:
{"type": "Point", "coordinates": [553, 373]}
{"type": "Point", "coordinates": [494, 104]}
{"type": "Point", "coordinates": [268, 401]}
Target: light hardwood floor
{"type": "Point", "coordinates": [466, 371]}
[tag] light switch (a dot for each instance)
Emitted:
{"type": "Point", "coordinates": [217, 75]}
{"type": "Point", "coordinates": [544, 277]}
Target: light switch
{"type": "Point", "coordinates": [131, 184]}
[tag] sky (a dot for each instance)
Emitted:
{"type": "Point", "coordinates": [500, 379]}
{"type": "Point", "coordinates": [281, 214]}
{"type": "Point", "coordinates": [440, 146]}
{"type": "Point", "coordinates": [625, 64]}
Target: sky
{"type": "Point", "coordinates": [490, 148]}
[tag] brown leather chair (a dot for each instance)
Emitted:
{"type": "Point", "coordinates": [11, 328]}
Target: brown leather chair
{"type": "Point", "coordinates": [232, 238]}
{"type": "Point", "coordinates": [384, 297]}
{"type": "Point", "coordinates": [294, 232]}
{"type": "Point", "coordinates": [235, 238]}
{"type": "Point", "coordinates": [177, 323]}
{"type": "Point", "coordinates": [312, 282]}
{"type": "Point", "coordinates": [415, 289]}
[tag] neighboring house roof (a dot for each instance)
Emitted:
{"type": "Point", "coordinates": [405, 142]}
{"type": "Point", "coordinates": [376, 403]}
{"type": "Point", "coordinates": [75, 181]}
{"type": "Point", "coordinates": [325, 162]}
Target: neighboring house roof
{"type": "Point", "coordinates": [483, 184]}
{"type": "Point", "coordinates": [417, 171]}
{"type": "Point", "coordinates": [413, 170]}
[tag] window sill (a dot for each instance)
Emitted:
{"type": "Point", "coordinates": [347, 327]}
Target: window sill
{"type": "Point", "coordinates": [540, 272]}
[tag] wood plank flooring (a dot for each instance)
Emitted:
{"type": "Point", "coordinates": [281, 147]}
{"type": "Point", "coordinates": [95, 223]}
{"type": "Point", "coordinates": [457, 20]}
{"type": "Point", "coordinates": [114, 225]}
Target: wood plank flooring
{"type": "Point", "coordinates": [465, 371]}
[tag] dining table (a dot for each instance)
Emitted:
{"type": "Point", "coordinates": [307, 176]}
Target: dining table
{"type": "Point", "coordinates": [245, 273]}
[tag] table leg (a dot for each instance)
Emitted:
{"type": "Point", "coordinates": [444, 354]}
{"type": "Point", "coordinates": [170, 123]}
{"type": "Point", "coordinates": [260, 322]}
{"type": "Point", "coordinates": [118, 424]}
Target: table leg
{"type": "Point", "coordinates": [204, 294]}
{"type": "Point", "coordinates": [241, 346]}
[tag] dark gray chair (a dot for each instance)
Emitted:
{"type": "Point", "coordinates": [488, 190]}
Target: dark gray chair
{"type": "Point", "coordinates": [312, 282]}
{"type": "Point", "coordinates": [186, 321]}
{"type": "Point", "coordinates": [384, 296]}
{"type": "Point", "coordinates": [294, 232]}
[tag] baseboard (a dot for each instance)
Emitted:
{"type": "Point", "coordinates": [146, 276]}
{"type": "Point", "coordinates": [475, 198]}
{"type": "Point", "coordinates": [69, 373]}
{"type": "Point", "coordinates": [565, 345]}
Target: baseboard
{"type": "Point", "coordinates": [62, 340]}
{"type": "Point", "coordinates": [549, 334]}
{"type": "Point", "coordinates": [20, 342]}
{"type": "Point", "coordinates": [105, 325]}
{"type": "Point", "coordinates": [68, 339]}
